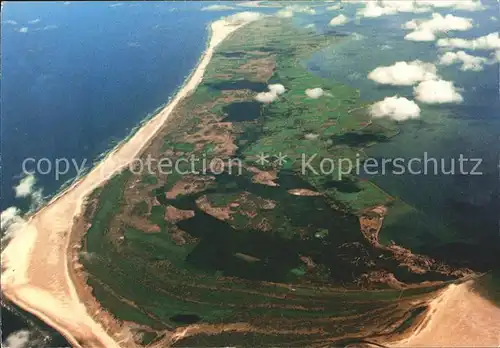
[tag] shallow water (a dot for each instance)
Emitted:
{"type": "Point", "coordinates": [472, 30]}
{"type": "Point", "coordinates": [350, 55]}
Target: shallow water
{"type": "Point", "coordinates": [463, 207]}
{"type": "Point", "coordinates": [43, 94]}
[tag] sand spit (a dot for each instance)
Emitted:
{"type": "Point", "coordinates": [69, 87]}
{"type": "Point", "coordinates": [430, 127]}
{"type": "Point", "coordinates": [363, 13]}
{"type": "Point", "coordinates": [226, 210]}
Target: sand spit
{"type": "Point", "coordinates": [36, 265]}
{"type": "Point", "coordinates": [458, 317]}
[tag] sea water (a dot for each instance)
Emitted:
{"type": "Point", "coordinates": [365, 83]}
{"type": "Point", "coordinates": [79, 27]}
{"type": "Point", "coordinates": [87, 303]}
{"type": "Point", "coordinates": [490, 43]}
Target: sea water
{"type": "Point", "coordinates": [465, 206]}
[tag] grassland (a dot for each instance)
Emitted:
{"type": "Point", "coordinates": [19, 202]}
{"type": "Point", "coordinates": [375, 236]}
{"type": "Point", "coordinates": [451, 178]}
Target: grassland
{"type": "Point", "coordinates": [239, 255]}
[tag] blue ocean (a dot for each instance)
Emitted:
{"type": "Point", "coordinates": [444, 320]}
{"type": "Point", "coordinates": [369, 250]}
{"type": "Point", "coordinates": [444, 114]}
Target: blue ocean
{"type": "Point", "coordinates": [78, 77]}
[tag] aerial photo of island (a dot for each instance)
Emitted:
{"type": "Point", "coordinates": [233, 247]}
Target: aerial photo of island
{"type": "Point", "coordinates": [250, 173]}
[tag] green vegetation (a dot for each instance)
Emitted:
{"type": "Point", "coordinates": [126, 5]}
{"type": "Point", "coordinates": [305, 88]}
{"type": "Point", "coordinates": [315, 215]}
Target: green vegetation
{"type": "Point", "coordinates": [182, 147]}
{"type": "Point", "coordinates": [236, 250]}
{"type": "Point", "coordinates": [110, 200]}
{"type": "Point", "coordinates": [141, 209]}
{"type": "Point", "coordinates": [149, 179]}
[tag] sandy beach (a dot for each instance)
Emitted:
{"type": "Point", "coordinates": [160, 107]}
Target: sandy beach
{"type": "Point", "coordinates": [458, 317]}
{"type": "Point", "coordinates": [36, 265]}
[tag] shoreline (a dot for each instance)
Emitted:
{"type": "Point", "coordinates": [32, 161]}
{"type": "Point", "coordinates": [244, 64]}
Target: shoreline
{"type": "Point", "coordinates": [36, 264]}
{"type": "Point", "coordinates": [68, 185]}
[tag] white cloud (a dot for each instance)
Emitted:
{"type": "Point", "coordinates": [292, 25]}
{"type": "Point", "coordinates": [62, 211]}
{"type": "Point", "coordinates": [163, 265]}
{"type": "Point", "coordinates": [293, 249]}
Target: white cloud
{"type": "Point", "coordinates": [339, 20]}
{"type": "Point", "coordinates": [487, 42]}
{"type": "Point", "coordinates": [289, 11]}
{"type": "Point", "coordinates": [353, 1]}
{"type": "Point", "coordinates": [37, 199]}
{"type": "Point", "coordinates": [242, 17]}
{"type": "Point", "coordinates": [396, 108]}
{"type": "Point", "coordinates": [493, 18]}
{"type": "Point", "coordinates": [48, 27]}
{"type": "Point", "coordinates": [469, 62]}
{"type": "Point", "coordinates": [217, 8]}
{"type": "Point", "coordinates": [11, 223]}
{"type": "Point", "coordinates": [310, 26]}
{"type": "Point", "coordinates": [497, 56]}
{"type": "Point", "coordinates": [10, 21]}
{"type": "Point", "coordinates": [277, 88]}
{"type": "Point", "coordinates": [274, 91]}
{"type": "Point", "coordinates": [420, 35]}
{"type": "Point", "coordinates": [266, 97]}
{"type": "Point", "coordinates": [34, 21]}
{"type": "Point", "coordinates": [314, 93]}
{"type": "Point", "coordinates": [408, 6]}
{"type": "Point", "coordinates": [425, 30]}
{"type": "Point", "coordinates": [374, 9]}
{"type": "Point", "coordinates": [116, 4]}
{"type": "Point", "coordinates": [469, 5]}
{"type": "Point", "coordinates": [18, 339]}
{"type": "Point", "coordinates": [465, 5]}
{"type": "Point", "coordinates": [302, 9]}
{"type": "Point", "coordinates": [334, 7]}
{"type": "Point", "coordinates": [403, 73]}
{"type": "Point", "coordinates": [379, 8]}
{"type": "Point", "coordinates": [23, 30]}
{"type": "Point", "coordinates": [311, 136]}
{"type": "Point", "coordinates": [440, 23]}
{"type": "Point", "coordinates": [357, 36]}
{"type": "Point", "coordinates": [285, 13]}
{"type": "Point", "coordinates": [437, 92]}
{"type": "Point", "coordinates": [26, 186]}
{"type": "Point", "coordinates": [9, 216]}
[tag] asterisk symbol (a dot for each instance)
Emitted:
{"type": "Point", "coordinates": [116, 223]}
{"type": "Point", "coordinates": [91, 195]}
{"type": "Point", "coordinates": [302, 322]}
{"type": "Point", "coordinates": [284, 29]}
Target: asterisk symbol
{"type": "Point", "coordinates": [280, 159]}
{"type": "Point", "coordinates": [262, 159]}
